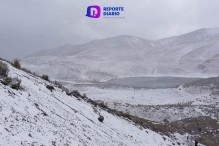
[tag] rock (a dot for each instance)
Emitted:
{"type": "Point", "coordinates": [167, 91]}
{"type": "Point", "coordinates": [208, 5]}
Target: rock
{"type": "Point", "coordinates": [101, 118]}
{"type": "Point", "coordinates": [165, 121]}
{"type": "Point", "coordinates": [50, 87]}
{"type": "Point", "coordinates": [75, 93]}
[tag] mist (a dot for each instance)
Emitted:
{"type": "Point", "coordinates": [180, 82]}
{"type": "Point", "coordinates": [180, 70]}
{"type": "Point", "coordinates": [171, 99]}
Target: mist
{"type": "Point", "coordinates": [28, 26]}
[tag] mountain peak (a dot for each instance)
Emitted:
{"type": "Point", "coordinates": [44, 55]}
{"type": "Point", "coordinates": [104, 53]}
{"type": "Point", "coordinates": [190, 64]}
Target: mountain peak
{"type": "Point", "coordinates": [125, 38]}
{"type": "Point", "coordinates": [200, 35]}
{"type": "Point", "coordinates": [208, 31]}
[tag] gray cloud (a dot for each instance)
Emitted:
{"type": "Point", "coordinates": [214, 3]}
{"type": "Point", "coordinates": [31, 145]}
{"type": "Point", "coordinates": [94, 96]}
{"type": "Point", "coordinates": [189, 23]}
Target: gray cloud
{"type": "Point", "coordinates": [29, 25]}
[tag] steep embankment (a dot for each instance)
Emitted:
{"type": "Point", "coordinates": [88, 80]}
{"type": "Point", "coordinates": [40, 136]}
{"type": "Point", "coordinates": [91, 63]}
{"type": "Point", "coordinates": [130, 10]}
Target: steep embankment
{"type": "Point", "coordinates": [33, 115]}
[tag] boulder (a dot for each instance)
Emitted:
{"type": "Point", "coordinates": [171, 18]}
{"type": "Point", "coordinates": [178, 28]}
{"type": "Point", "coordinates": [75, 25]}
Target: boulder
{"type": "Point", "coordinates": [101, 118]}
{"type": "Point", "coordinates": [50, 87]}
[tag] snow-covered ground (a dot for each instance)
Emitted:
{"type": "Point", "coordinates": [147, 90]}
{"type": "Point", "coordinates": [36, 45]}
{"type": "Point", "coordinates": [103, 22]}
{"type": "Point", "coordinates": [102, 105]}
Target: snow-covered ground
{"type": "Point", "coordinates": [193, 54]}
{"type": "Point", "coordinates": [143, 96]}
{"type": "Point", "coordinates": [156, 104]}
{"type": "Point", "coordinates": [33, 115]}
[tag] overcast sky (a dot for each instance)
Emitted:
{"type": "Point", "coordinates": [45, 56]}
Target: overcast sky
{"type": "Point", "coordinates": [27, 26]}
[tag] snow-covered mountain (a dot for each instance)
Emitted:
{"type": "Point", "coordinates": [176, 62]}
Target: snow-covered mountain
{"type": "Point", "coordinates": [191, 54]}
{"type": "Point", "coordinates": [34, 115]}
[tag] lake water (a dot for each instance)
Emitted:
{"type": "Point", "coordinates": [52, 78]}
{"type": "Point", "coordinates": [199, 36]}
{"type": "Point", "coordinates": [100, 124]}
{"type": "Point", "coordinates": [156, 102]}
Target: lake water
{"type": "Point", "coordinates": [151, 82]}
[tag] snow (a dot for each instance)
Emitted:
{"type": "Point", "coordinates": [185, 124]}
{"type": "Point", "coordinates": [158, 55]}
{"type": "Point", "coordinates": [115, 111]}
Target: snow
{"type": "Point", "coordinates": [142, 96]}
{"type": "Point", "coordinates": [129, 56]}
{"type": "Point", "coordinates": [155, 104]}
{"type": "Point", "coordinates": [34, 115]}
{"type": "Point", "coordinates": [189, 55]}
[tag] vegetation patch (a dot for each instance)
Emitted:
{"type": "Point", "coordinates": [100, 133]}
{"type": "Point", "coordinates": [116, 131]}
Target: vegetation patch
{"type": "Point", "coordinates": [16, 64]}
{"type": "Point", "coordinates": [3, 69]}
{"type": "Point", "coordinates": [45, 77]}
{"type": "Point", "coordinates": [14, 83]}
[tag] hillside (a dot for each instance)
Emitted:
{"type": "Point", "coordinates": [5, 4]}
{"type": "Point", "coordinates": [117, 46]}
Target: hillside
{"type": "Point", "coordinates": [193, 55]}
{"type": "Point", "coordinates": [34, 115]}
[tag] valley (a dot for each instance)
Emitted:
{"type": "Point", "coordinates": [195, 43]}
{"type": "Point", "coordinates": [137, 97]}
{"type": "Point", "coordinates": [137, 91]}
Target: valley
{"type": "Point", "coordinates": [171, 82]}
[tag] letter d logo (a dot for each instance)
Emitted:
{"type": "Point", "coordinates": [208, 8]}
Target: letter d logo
{"type": "Point", "coordinates": [93, 11]}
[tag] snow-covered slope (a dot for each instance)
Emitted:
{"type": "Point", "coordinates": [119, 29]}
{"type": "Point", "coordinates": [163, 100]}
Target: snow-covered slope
{"type": "Point", "coordinates": [33, 115]}
{"type": "Point", "coordinates": [126, 56]}
{"type": "Point", "coordinates": [204, 34]}
{"type": "Point", "coordinates": [158, 104]}
{"type": "Point", "coordinates": [96, 60]}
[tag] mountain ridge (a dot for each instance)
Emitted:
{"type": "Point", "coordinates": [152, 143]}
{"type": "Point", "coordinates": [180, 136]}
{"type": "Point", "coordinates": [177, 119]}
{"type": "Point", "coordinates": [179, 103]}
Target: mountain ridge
{"type": "Point", "coordinates": [199, 31]}
{"type": "Point", "coordinates": [128, 56]}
